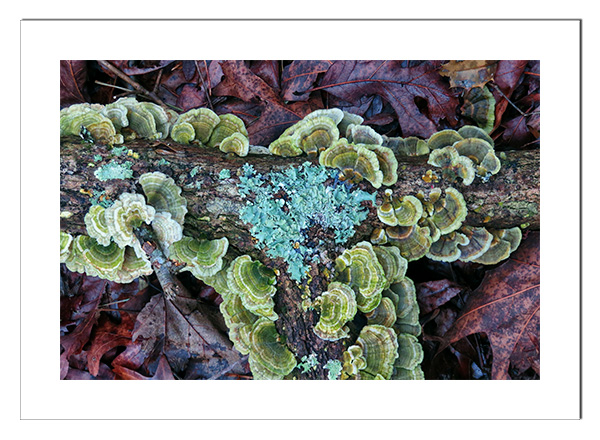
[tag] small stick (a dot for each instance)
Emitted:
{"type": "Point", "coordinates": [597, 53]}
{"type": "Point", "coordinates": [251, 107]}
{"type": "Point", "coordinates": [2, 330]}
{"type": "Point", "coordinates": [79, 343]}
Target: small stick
{"type": "Point", "coordinates": [511, 103]}
{"type": "Point", "coordinates": [113, 86]}
{"type": "Point", "coordinates": [204, 85]}
{"type": "Point", "coordinates": [139, 88]}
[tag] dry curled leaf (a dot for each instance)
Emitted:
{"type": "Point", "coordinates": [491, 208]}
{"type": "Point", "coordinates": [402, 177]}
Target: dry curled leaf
{"type": "Point", "coordinates": [506, 306]}
{"type": "Point", "coordinates": [469, 73]}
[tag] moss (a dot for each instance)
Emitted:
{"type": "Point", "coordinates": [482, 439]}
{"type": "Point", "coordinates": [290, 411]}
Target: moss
{"type": "Point", "coordinates": [114, 170]}
{"type": "Point", "coordinates": [287, 204]}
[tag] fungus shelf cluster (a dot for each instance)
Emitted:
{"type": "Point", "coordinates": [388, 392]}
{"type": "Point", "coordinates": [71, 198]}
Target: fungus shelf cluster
{"type": "Point", "coordinates": [282, 209]}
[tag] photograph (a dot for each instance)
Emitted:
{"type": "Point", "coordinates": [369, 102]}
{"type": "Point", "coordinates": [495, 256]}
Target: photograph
{"type": "Point", "coordinates": [300, 219]}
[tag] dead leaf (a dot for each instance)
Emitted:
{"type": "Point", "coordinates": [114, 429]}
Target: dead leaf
{"type": "Point", "coordinates": [507, 77]}
{"type": "Point", "coordinates": [107, 336]}
{"type": "Point", "coordinates": [268, 71]}
{"type": "Point", "coordinates": [186, 334]}
{"type": "Point", "coordinates": [400, 84]}
{"type": "Point", "coordinates": [163, 372]}
{"type": "Point", "coordinates": [73, 74]}
{"type": "Point", "coordinates": [506, 306]}
{"type": "Point", "coordinates": [469, 73]}
{"type": "Point", "coordinates": [433, 294]}
{"type": "Point", "coordinates": [300, 76]}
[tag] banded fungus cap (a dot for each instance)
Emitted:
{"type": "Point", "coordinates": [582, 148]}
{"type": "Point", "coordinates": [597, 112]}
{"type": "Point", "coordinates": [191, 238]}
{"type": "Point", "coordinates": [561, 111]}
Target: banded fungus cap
{"type": "Point", "coordinates": [126, 214]}
{"type": "Point", "coordinates": [388, 164]}
{"type": "Point", "coordinates": [255, 284]}
{"type": "Point", "coordinates": [164, 195]}
{"type": "Point", "coordinates": [236, 143]}
{"type": "Point", "coordinates": [384, 314]}
{"type": "Point", "coordinates": [454, 166]}
{"type": "Point", "coordinates": [451, 212]}
{"type": "Point", "coordinates": [228, 124]}
{"type": "Point", "coordinates": [393, 263]}
{"type": "Point", "coordinates": [480, 240]}
{"type": "Point", "coordinates": [239, 321]}
{"type": "Point", "coordinates": [410, 352]}
{"type": "Point", "coordinates": [347, 119]}
{"type": "Point", "coordinates": [335, 114]}
{"type": "Point", "coordinates": [286, 146]}
{"type": "Point", "coordinates": [95, 225]}
{"type": "Point", "coordinates": [446, 248]}
{"type": "Point", "coordinates": [413, 241]}
{"type": "Point", "coordinates": [203, 122]}
{"type": "Point", "coordinates": [66, 240]}
{"type": "Point", "coordinates": [443, 138]}
{"type": "Point", "coordinates": [316, 135]}
{"type": "Point", "coordinates": [337, 306]}
{"type": "Point", "coordinates": [167, 230]}
{"type": "Point", "coordinates": [379, 346]}
{"type": "Point", "coordinates": [479, 106]}
{"type": "Point", "coordinates": [268, 352]}
{"type": "Point", "coordinates": [363, 134]}
{"type": "Point", "coordinates": [355, 161]}
{"type": "Point", "coordinates": [404, 296]}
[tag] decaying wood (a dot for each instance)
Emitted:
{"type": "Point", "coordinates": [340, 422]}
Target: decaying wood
{"type": "Point", "coordinates": [508, 199]}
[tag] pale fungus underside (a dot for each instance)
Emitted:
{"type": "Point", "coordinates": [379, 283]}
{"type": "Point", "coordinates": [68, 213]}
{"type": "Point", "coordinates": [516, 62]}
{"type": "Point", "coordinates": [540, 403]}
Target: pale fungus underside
{"type": "Point", "coordinates": [283, 210]}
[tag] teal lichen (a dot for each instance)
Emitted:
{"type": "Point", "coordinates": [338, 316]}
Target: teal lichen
{"type": "Point", "coordinates": [224, 174]}
{"type": "Point", "coordinates": [97, 158]}
{"type": "Point", "coordinates": [118, 151]}
{"type": "Point", "coordinates": [335, 369]}
{"type": "Point", "coordinates": [308, 362]}
{"type": "Point", "coordinates": [96, 196]}
{"type": "Point", "coordinates": [114, 170]}
{"type": "Point", "coordinates": [194, 171]}
{"type": "Point", "coordinates": [285, 205]}
{"type": "Point", "coordinates": [162, 161]}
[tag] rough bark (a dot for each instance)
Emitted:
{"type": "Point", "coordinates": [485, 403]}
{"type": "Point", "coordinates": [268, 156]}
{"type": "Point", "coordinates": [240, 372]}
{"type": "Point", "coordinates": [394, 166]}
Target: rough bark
{"type": "Point", "coordinates": [510, 198]}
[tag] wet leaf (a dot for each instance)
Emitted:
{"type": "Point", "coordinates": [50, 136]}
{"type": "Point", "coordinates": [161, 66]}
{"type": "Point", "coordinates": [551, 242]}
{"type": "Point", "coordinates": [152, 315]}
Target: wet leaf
{"type": "Point", "coordinates": [163, 372]}
{"type": "Point", "coordinates": [300, 76]}
{"type": "Point", "coordinates": [507, 78]}
{"type": "Point", "coordinates": [402, 85]}
{"type": "Point", "coordinates": [469, 73]}
{"type": "Point", "coordinates": [107, 336]}
{"type": "Point", "coordinates": [507, 308]}
{"type": "Point", "coordinates": [73, 74]}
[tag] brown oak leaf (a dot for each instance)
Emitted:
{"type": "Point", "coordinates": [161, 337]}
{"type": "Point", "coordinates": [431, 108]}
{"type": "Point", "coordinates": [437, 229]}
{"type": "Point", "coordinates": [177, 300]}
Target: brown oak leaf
{"type": "Point", "coordinates": [406, 86]}
{"type": "Point", "coordinates": [506, 306]}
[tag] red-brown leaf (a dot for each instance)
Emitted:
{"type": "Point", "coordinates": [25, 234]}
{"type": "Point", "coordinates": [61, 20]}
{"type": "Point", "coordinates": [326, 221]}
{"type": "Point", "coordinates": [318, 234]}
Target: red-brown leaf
{"type": "Point", "coordinates": [507, 78]}
{"type": "Point", "coordinates": [433, 294]}
{"type": "Point", "coordinates": [107, 336]}
{"type": "Point", "coordinates": [469, 73]}
{"type": "Point", "coordinates": [73, 74]}
{"type": "Point", "coordinates": [400, 84]}
{"type": "Point", "coordinates": [300, 76]}
{"type": "Point", "coordinates": [506, 306]}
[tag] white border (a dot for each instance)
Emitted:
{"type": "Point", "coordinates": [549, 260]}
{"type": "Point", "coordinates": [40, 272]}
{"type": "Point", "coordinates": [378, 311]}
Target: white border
{"type": "Point", "coordinates": [44, 396]}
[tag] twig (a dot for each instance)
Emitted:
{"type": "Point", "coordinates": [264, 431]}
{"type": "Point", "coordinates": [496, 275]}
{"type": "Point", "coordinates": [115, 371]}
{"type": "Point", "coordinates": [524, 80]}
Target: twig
{"type": "Point", "coordinates": [204, 85]}
{"type": "Point", "coordinates": [511, 103]}
{"type": "Point", "coordinates": [157, 83]}
{"type": "Point", "coordinates": [138, 88]}
{"type": "Point", "coordinates": [113, 86]}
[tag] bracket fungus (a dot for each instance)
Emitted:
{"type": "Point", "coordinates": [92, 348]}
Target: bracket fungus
{"type": "Point", "coordinates": [337, 306]}
{"type": "Point", "coordinates": [363, 134]}
{"type": "Point", "coordinates": [316, 134]}
{"type": "Point", "coordinates": [400, 211]}
{"type": "Point", "coordinates": [464, 154]}
{"type": "Point", "coordinates": [95, 225]}
{"type": "Point", "coordinates": [228, 125]}
{"type": "Point", "coordinates": [255, 284]}
{"type": "Point", "coordinates": [236, 143]}
{"type": "Point", "coordinates": [195, 125]}
{"type": "Point", "coordinates": [127, 213]}
{"type": "Point", "coordinates": [410, 352]}
{"type": "Point", "coordinates": [384, 314]}
{"type": "Point", "coordinates": [73, 118]}
{"type": "Point", "coordinates": [410, 146]}
{"type": "Point", "coordinates": [239, 321]}
{"type": "Point", "coordinates": [356, 162]}
{"type": "Point", "coordinates": [269, 357]}
{"type": "Point", "coordinates": [446, 248]}
{"type": "Point", "coordinates": [145, 119]}
{"type": "Point", "coordinates": [413, 241]}
{"type": "Point", "coordinates": [404, 297]}
{"type": "Point", "coordinates": [504, 242]}
{"type": "Point", "coordinates": [203, 258]}
{"type": "Point", "coordinates": [65, 245]}
{"type": "Point", "coordinates": [479, 106]}
{"type": "Point", "coordinates": [447, 213]}
{"type": "Point", "coordinates": [360, 269]}
{"type": "Point", "coordinates": [167, 230]}
{"type": "Point", "coordinates": [286, 146]}
{"type": "Point", "coordinates": [164, 195]}
{"type": "Point", "coordinates": [373, 355]}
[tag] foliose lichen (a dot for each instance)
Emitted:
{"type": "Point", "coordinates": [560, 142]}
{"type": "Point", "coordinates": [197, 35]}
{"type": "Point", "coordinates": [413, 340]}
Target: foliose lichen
{"type": "Point", "coordinates": [114, 170]}
{"type": "Point", "coordinates": [286, 204]}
